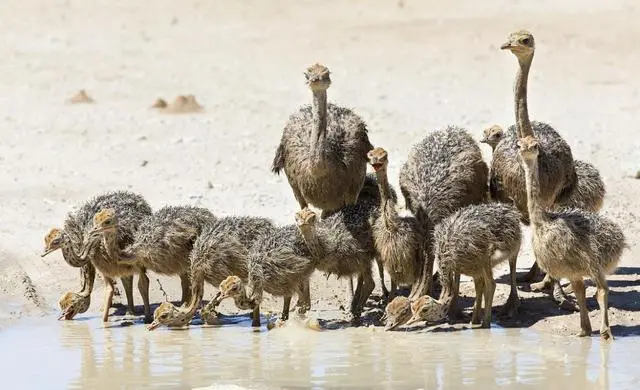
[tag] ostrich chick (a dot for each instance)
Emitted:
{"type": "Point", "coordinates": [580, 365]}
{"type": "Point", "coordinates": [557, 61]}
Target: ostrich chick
{"type": "Point", "coordinates": [473, 241]}
{"type": "Point", "coordinates": [77, 225]}
{"type": "Point", "coordinates": [280, 264]}
{"type": "Point", "coordinates": [161, 244]}
{"type": "Point", "coordinates": [443, 173]}
{"type": "Point", "coordinates": [342, 244]}
{"type": "Point", "coordinates": [589, 191]}
{"type": "Point", "coordinates": [572, 243]}
{"type": "Point", "coordinates": [402, 311]}
{"type": "Point", "coordinates": [323, 149]}
{"type": "Point", "coordinates": [221, 250]}
{"type": "Point", "coordinates": [72, 303]}
{"type": "Point", "coordinates": [397, 312]}
{"type": "Point", "coordinates": [398, 240]}
{"type": "Point", "coordinates": [588, 194]}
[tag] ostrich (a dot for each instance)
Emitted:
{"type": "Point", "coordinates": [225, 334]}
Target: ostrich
{"type": "Point", "coordinates": [162, 242]}
{"type": "Point", "coordinates": [221, 250]}
{"type": "Point", "coordinates": [369, 196]}
{"type": "Point", "coordinates": [72, 303]}
{"type": "Point", "coordinates": [280, 264]}
{"type": "Point", "coordinates": [70, 238]}
{"type": "Point", "coordinates": [398, 240]}
{"type": "Point", "coordinates": [557, 170]}
{"type": "Point", "coordinates": [473, 241]}
{"type": "Point", "coordinates": [571, 243]}
{"type": "Point", "coordinates": [323, 149]}
{"type": "Point", "coordinates": [342, 244]}
{"type": "Point", "coordinates": [444, 172]}
{"type": "Point", "coordinates": [397, 312]}
{"type": "Point", "coordinates": [588, 194]}
{"type": "Point", "coordinates": [589, 191]}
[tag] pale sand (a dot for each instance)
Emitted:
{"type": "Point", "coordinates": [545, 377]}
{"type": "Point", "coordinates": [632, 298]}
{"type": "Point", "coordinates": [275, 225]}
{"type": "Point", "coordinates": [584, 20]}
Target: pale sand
{"type": "Point", "coordinates": [405, 70]}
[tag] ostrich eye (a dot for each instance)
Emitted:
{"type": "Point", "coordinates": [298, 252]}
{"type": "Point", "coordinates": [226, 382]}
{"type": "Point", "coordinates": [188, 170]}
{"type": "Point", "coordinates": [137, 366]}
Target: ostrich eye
{"type": "Point", "coordinates": [526, 41]}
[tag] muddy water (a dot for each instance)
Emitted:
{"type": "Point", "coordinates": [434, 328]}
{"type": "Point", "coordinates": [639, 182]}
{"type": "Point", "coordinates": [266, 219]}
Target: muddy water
{"type": "Point", "coordinates": [85, 354]}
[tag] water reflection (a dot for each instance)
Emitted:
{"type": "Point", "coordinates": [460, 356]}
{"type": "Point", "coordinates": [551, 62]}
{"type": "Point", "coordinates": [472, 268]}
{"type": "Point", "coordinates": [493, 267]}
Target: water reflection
{"type": "Point", "coordinates": [85, 354]}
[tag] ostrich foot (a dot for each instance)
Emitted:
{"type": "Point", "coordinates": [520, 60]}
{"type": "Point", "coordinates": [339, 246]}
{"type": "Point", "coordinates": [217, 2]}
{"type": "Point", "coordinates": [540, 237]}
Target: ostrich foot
{"type": "Point", "coordinates": [542, 285]}
{"type": "Point", "coordinates": [562, 300]}
{"type": "Point", "coordinates": [534, 273]}
{"type": "Point", "coordinates": [568, 289]}
{"type": "Point", "coordinates": [510, 308]}
{"type": "Point", "coordinates": [584, 333]}
{"type": "Point", "coordinates": [606, 334]}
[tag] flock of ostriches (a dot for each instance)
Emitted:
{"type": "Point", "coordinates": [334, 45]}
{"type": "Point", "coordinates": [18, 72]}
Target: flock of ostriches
{"type": "Point", "coordinates": [461, 215]}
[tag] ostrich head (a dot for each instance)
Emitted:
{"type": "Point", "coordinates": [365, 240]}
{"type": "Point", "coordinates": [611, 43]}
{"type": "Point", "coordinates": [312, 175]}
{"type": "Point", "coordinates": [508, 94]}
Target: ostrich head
{"type": "Point", "coordinates": [427, 309]}
{"type": "Point", "coordinates": [231, 287]}
{"type": "Point", "coordinates": [168, 314]}
{"type": "Point", "coordinates": [53, 241]}
{"type": "Point", "coordinates": [493, 135]}
{"type": "Point", "coordinates": [318, 77]}
{"type": "Point", "coordinates": [528, 149]}
{"type": "Point", "coordinates": [521, 44]}
{"type": "Point", "coordinates": [397, 312]}
{"type": "Point", "coordinates": [305, 217]}
{"type": "Point", "coordinates": [104, 220]}
{"type": "Point", "coordinates": [73, 303]}
{"type": "Point", "coordinates": [378, 158]}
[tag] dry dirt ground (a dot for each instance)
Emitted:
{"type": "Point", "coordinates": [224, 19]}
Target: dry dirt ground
{"type": "Point", "coordinates": [406, 69]}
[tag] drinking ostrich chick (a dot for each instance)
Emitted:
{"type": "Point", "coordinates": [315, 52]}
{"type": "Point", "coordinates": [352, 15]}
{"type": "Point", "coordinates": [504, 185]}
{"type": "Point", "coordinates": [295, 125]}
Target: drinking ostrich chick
{"type": "Point", "coordinates": [280, 264]}
{"type": "Point", "coordinates": [220, 251]}
{"type": "Point", "coordinates": [161, 244]}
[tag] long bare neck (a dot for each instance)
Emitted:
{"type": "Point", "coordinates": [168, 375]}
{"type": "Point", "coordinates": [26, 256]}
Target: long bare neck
{"type": "Point", "coordinates": [110, 242]}
{"type": "Point", "coordinates": [537, 215]}
{"type": "Point", "coordinates": [197, 292]}
{"type": "Point", "coordinates": [88, 276]}
{"type": "Point", "coordinates": [319, 130]}
{"type": "Point", "coordinates": [242, 300]}
{"type": "Point", "coordinates": [71, 256]}
{"type": "Point", "coordinates": [310, 235]}
{"type": "Point", "coordinates": [523, 125]}
{"type": "Point", "coordinates": [386, 201]}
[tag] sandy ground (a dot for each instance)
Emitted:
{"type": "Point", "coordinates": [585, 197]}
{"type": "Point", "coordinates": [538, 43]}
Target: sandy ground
{"type": "Point", "coordinates": [406, 70]}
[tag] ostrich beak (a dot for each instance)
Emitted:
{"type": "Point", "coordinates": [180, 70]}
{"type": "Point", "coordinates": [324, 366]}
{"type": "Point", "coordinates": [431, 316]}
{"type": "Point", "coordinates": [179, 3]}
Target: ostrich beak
{"type": "Point", "coordinates": [47, 251]}
{"type": "Point", "coordinates": [505, 46]}
{"type": "Point", "coordinates": [153, 325]}
{"type": "Point", "coordinates": [391, 325]}
{"type": "Point", "coordinates": [484, 140]}
{"type": "Point", "coordinates": [413, 320]}
{"type": "Point", "coordinates": [67, 315]}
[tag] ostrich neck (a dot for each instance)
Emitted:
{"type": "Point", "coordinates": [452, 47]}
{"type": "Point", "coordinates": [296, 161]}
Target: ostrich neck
{"type": "Point", "coordinates": [319, 130]}
{"type": "Point", "coordinates": [310, 236]}
{"type": "Point", "coordinates": [242, 300]}
{"type": "Point", "coordinates": [71, 256]}
{"type": "Point", "coordinates": [386, 201]}
{"type": "Point", "coordinates": [88, 276]}
{"type": "Point", "coordinates": [536, 212]}
{"type": "Point", "coordinates": [110, 241]}
{"type": "Point", "coordinates": [523, 125]}
{"type": "Point", "coordinates": [196, 298]}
